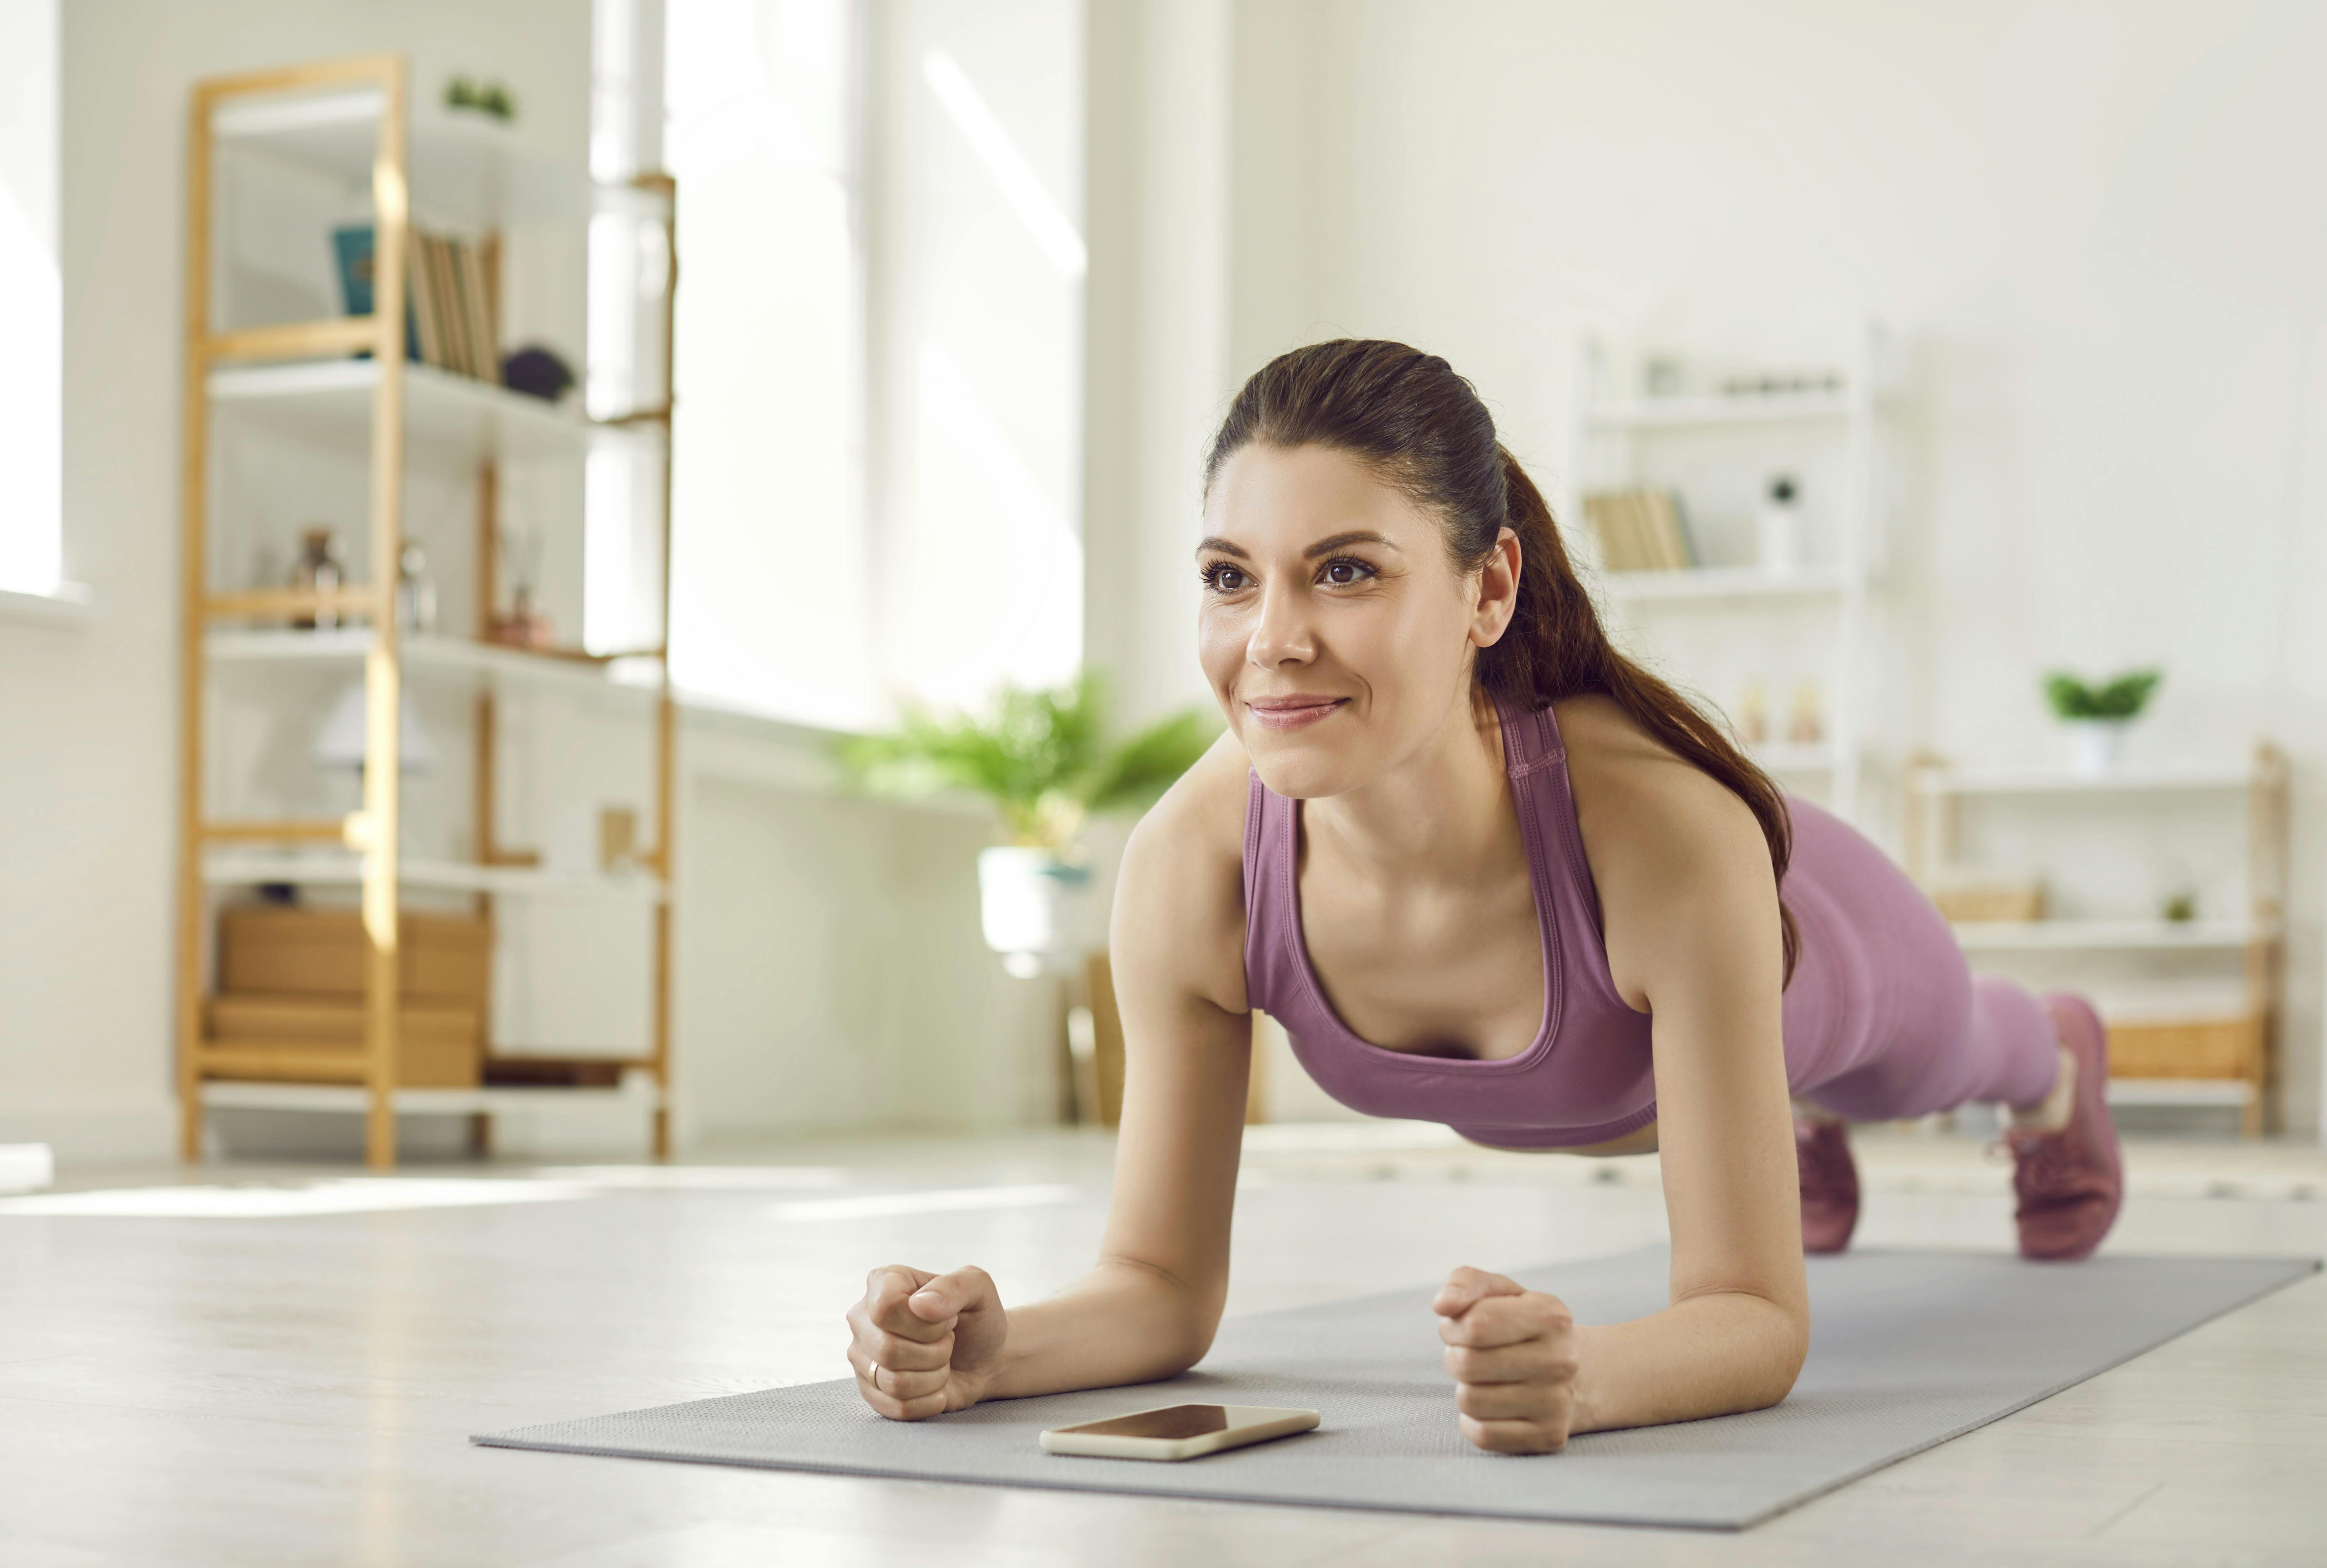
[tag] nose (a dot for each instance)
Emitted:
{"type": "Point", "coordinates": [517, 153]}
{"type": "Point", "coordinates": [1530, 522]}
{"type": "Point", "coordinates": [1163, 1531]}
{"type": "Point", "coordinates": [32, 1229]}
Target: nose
{"type": "Point", "coordinates": [1282, 636]}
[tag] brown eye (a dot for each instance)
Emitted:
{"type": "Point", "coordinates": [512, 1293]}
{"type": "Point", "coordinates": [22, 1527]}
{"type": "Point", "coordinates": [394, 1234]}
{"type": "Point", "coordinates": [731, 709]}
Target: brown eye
{"type": "Point", "coordinates": [1346, 574]}
{"type": "Point", "coordinates": [1222, 578]}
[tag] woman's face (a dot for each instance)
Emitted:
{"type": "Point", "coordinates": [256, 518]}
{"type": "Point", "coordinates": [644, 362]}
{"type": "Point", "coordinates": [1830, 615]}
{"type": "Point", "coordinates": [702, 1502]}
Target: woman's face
{"type": "Point", "coordinates": [1335, 632]}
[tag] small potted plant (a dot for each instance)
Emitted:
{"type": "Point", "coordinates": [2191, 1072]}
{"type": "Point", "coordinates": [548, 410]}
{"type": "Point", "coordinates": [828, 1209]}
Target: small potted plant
{"type": "Point", "coordinates": [1045, 760]}
{"type": "Point", "coordinates": [2096, 716]}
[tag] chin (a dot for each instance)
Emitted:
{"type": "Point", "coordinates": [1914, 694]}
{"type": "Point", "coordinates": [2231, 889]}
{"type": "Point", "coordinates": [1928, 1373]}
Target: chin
{"type": "Point", "coordinates": [1302, 767]}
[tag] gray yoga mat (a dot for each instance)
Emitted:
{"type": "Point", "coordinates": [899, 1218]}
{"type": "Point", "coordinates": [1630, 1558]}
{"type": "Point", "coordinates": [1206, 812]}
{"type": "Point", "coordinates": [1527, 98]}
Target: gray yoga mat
{"type": "Point", "coordinates": [1907, 1350]}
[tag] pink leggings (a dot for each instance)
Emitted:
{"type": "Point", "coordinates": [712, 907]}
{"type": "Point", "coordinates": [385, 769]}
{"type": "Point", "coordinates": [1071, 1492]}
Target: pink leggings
{"type": "Point", "coordinates": [2003, 1053]}
{"type": "Point", "coordinates": [1884, 1019]}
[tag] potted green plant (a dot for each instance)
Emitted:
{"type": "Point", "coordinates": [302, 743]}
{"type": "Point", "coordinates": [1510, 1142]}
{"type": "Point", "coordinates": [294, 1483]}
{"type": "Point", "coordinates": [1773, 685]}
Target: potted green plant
{"type": "Point", "coordinates": [2097, 716]}
{"type": "Point", "coordinates": [1045, 760]}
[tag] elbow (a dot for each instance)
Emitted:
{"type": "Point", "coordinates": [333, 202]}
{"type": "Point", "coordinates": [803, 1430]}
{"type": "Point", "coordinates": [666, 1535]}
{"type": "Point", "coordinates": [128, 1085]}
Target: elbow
{"type": "Point", "coordinates": [1768, 1338]}
{"type": "Point", "coordinates": [1188, 1342]}
{"type": "Point", "coordinates": [1787, 1348]}
{"type": "Point", "coordinates": [1182, 1332]}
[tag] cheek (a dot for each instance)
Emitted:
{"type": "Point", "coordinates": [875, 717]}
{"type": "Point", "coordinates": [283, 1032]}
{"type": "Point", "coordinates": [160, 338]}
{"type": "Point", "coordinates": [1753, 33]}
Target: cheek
{"type": "Point", "coordinates": [1221, 638]}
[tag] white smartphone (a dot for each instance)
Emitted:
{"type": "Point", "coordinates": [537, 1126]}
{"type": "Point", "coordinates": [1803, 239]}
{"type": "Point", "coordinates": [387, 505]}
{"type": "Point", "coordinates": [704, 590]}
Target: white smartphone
{"type": "Point", "coordinates": [1178, 1431]}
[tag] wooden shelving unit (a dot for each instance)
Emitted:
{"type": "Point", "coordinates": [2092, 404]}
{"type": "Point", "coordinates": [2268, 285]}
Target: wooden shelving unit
{"type": "Point", "coordinates": [352, 121]}
{"type": "Point", "coordinates": [2214, 1057]}
{"type": "Point", "coordinates": [1613, 444]}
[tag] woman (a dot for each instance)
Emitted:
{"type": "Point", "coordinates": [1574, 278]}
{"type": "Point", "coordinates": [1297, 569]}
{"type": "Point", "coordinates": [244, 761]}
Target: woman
{"type": "Point", "coordinates": [1487, 872]}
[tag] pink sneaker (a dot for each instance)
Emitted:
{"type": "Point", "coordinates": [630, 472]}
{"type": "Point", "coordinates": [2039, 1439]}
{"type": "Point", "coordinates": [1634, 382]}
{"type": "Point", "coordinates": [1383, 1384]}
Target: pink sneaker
{"type": "Point", "coordinates": [2069, 1183]}
{"type": "Point", "coordinates": [1830, 1183]}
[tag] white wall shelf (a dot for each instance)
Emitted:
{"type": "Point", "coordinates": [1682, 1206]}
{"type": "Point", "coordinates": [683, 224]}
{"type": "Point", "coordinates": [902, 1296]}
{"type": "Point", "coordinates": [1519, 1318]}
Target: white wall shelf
{"type": "Point", "coordinates": [333, 138]}
{"type": "Point", "coordinates": [2099, 936]}
{"type": "Point", "coordinates": [636, 1089]}
{"type": "Point", "coordinates": [448, 418]}
{"type": "Point", "coordinates": [452, 659]}
{"type": "Point", "coordinates": [2236, 1093]}
{"type": "Point", "coordinates": [227, 868]}
{"type": "Point", "coordinates": [1685, 413]}
{"type": "Point", "coordinates": [1725, 583]}
{"type": "Point", "coordinates": [2061, 782]}
{"type": "Point", "coordinates": [2160, 1054]}
{"type": "Point", "coordinates": [466, 166]}
{"type": "Point", "coordinates": [1619, 442]}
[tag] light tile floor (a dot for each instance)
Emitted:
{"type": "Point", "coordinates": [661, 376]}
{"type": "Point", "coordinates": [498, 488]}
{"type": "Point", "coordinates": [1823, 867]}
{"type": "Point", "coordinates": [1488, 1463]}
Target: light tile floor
{"type": "Point", "coordinates": [298, 1389]}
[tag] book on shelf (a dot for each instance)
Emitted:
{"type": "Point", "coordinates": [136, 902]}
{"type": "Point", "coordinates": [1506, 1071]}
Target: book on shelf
{"type": "Point", "coordinates": [1641, 530]}
{"type": "Point", "coordinates": [449, 321]}
{"type": "Point", "coordinates": [352, 248]}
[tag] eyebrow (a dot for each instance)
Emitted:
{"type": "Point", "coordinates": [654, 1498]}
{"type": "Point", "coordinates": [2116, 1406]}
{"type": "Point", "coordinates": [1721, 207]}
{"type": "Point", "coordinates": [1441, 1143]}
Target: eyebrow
{"type": "Point", "coordinates": [1321, 547]}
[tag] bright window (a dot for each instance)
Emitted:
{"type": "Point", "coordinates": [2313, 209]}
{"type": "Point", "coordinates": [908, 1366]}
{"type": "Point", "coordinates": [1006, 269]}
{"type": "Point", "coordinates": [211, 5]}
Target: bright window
{"type": "Point", "coordinates": [31, 312]}
{"type": "Point", "coordinates": [770, 585]}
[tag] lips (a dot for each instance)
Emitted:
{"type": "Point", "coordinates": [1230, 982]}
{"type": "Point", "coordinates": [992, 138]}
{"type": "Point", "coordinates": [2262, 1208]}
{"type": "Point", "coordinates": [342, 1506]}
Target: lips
{"type": "Point", "coordinates": [1295, 712]}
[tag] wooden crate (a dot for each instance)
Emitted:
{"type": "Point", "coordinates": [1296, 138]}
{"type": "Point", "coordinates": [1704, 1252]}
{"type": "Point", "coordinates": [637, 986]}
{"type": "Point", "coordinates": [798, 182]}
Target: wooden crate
{"type": "Point", "coordinates": [2203, 1048]}
{"type": "Point", "coordinates": [1989, 902]}
{"type": "Point", "coordinates": [271, 949]}
{"type": "Point", "coordinates": [315, 1039]}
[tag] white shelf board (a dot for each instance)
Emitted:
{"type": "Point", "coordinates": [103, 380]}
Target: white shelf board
{"type": "Point", "coordinates": [2178, 1091]}
{"type": "Point", "coordinates": [447, 417]}
{"type": "Point", "coordinates": [1683, 413]}
{"type": "Point", "coordinates": [464, 167]}
{"type": "Point", "coordinates": [1724, 583]}
{"type": "Point", "coordinates": [2097, 935]}
{"type": "Point", "coordinates": [2062, 782]}
{"type": "Point", "coordinates": [637, 1088]}
{"type": "Point", "coordinates": [341, 869]}
{"type": "Point", "coordinates": [451, 658]}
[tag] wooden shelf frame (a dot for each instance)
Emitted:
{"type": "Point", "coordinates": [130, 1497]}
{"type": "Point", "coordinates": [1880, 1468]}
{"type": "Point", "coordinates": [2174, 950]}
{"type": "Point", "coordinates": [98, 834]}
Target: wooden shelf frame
{"type": "Point", "coordinates": [2242, 1048]}
{"type": "Point", "coordinates": [372, 400]}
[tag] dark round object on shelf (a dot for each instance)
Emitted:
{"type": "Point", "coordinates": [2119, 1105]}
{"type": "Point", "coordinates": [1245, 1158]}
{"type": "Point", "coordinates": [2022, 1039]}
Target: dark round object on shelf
{"type": "Point", "coordinates": [538, 373]}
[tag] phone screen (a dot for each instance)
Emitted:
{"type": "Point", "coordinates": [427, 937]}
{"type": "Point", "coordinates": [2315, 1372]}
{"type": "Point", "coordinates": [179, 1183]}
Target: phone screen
{"type": "Point", "coordinates": [1176, 1420]}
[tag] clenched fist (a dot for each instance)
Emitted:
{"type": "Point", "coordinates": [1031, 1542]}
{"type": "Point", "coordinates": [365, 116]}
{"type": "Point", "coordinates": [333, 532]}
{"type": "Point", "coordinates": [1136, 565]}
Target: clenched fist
{"type": "Point", "coordinates": [924, 1344]}
{"type": "Point", "coordinates": [1512, 1355]}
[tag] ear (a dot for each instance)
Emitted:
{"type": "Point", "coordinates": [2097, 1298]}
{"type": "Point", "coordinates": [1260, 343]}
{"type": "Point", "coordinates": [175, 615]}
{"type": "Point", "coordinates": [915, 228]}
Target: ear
{"type": "Point", "coordinates": [1499, 592]}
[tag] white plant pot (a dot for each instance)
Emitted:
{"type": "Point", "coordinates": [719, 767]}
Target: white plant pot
{"type": "Point", "coordinates": [1036, 909]}
{"type": "Point", "coordinates": [2097, 745]}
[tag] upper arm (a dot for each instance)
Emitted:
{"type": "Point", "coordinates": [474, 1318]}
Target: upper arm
{"type": "Point", "coordinates": [1176, 950]}
{"type": "Point", "coordinates": [1689, 905]}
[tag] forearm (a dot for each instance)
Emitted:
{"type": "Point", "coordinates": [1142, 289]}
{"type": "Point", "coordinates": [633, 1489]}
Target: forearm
{"type": "Point", "coordinates": [1122, 1322]}
{"type": "Point", "coordinates": [1714, 1354]}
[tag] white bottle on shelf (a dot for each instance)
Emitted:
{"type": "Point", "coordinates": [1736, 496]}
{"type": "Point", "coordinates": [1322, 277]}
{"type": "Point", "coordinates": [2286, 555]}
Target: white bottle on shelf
{"type": "Point", "coordinates": [1778, 530]}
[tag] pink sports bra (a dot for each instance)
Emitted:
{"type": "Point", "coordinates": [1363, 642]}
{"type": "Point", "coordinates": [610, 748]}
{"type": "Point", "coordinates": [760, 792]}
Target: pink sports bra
{"type": "Point", "coordinates": [1585, 1078]}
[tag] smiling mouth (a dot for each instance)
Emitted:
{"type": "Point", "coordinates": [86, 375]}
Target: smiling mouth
{"type": "Point", "coordinates": [1293, 712]}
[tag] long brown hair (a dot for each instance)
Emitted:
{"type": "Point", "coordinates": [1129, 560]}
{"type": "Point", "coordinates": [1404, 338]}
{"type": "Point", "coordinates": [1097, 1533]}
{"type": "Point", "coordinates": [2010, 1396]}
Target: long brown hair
{"type": "Point", "coordinates": [1408, 417]}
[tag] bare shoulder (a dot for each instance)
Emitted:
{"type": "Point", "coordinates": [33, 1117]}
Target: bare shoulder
{"type": "Point", "coordinates": [1178, 923]}
{"type": "Point", "coordinates": [1644, 796]}
{"type": "Point", "coordinates": [1663, 837]}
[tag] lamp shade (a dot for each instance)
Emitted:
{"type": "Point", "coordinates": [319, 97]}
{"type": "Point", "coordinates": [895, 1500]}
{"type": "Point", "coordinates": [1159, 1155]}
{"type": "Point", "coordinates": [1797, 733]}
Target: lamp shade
{"type": "Point", "coordinates": [339, 743]}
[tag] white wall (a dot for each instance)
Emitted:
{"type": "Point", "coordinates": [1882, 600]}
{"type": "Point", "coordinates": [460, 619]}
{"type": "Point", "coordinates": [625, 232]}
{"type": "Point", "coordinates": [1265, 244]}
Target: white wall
{"type": "Point", "coordinates": [2097, 225]}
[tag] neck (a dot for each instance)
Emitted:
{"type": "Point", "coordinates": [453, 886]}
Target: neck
{"type": "Point", "coordinates": [1442, 812]}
